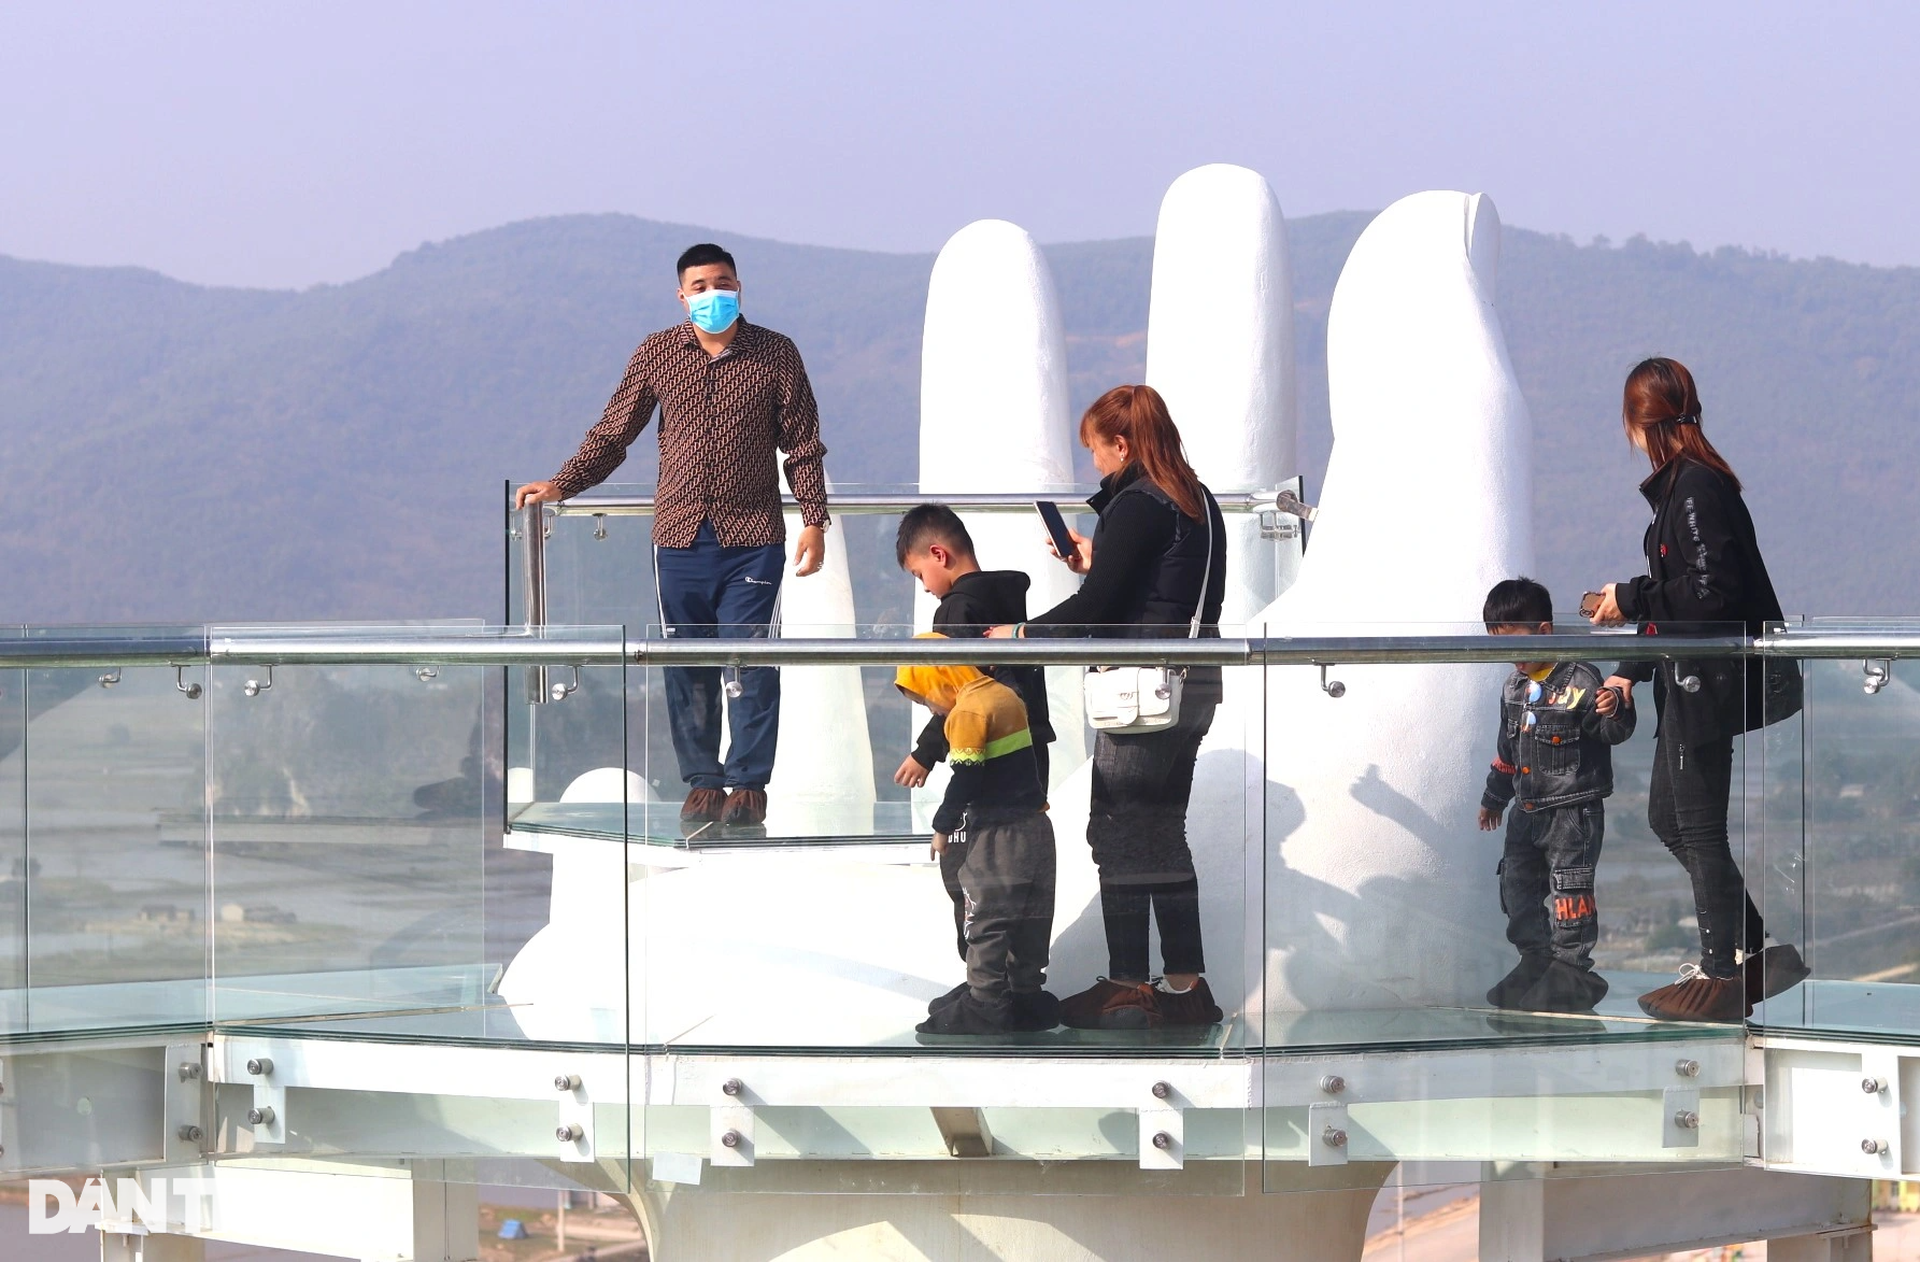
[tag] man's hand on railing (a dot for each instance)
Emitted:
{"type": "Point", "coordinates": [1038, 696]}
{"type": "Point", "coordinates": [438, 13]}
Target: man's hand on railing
{"type": "Point", "coordinates": [536, 493]}
{"type": "Point", "coordinates": [810, 553]}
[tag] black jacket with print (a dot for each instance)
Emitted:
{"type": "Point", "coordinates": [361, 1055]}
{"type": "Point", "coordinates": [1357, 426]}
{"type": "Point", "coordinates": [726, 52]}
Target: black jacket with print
{"type": "Point", "coordinates": [1704, 576]}
{"type": "Point", "coordinates": [1564, 755]}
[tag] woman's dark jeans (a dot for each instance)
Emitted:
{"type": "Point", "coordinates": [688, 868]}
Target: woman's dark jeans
{"type": "Point", "coordinates": [1687, 807]}
{"type": "Point", "coordinates": [1138, 831]}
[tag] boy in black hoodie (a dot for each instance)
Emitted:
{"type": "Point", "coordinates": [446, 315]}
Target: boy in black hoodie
{"type": "Point", "coordinates": [933, 545]}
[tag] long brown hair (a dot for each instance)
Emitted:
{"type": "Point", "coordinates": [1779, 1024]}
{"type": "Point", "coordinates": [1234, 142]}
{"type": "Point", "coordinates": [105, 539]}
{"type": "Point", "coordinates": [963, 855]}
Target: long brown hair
{"type": "Point", "coordinates": [1139, 415]}
{"type": "Point", "coordinates": [1663, 405]}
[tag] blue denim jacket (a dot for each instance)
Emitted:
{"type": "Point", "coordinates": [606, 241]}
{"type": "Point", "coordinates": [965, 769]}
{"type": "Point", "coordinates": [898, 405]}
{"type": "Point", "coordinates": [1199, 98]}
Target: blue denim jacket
{"type": "Point", "coordinates": [1555, 748]}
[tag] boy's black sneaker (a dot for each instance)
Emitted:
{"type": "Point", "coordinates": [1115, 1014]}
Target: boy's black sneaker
{"type": "Point", "coordinates": [1036, 1010]}
{"type": "Point", "coordinates": [967, 1015]}
{"type": "Point", "coordinates": [1507, 991]}
{"type": "Point", "coordinates": [1564, 988]}
{"type": "Point", "coordinates": [1187, 1008]}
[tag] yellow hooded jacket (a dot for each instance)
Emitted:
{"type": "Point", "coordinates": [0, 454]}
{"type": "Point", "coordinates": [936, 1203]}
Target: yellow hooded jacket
{"type": "Point", "coordinates": [990, 745]}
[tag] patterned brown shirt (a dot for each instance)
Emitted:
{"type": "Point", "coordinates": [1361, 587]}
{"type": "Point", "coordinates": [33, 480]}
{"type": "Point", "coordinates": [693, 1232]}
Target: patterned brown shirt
{"type": "Point", "coordinates": [720, 420]}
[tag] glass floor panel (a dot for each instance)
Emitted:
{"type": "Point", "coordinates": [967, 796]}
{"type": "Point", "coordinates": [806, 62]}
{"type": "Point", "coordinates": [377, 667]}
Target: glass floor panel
{"type": "Point", "coordinates": [1616, 1018]}
{"type": "Point", "coordinates": [1869, 1010]}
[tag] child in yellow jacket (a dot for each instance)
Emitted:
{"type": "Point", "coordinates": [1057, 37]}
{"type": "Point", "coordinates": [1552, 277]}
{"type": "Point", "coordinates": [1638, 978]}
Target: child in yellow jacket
{"type": "Point", "coordinates": [995, 808]}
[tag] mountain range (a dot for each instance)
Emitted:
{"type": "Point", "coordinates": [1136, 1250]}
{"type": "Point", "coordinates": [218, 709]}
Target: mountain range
{"type": "Point", "coordinates": [189, 454]}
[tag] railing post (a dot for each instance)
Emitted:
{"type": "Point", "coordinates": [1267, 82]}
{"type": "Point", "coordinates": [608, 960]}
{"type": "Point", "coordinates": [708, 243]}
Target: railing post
{"type": "Point", "coordinates": [533, 592]}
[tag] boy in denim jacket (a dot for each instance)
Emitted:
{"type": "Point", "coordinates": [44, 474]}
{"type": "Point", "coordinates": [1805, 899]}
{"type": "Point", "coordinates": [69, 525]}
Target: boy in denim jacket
{"type": "Point", "coordinates": [1558, 726]}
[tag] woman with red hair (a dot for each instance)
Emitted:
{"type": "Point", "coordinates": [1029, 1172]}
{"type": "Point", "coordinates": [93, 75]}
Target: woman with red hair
{"type": "Point", "coordinates": [1703, 567]}
{"type": "Point", "coordinates": [1157, 561]}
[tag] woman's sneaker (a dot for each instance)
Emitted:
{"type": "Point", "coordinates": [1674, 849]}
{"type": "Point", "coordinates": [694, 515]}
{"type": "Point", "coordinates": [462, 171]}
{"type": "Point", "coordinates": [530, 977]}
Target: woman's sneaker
{"type": "Point", "coordinates": [1698, 997]}
{"type": "Point", "coordinates": [1107, 1005]}
{"type": "Point", "coordinates": [1770, 972]}
{"type": "Point", "coordinates": [1193, 1007]}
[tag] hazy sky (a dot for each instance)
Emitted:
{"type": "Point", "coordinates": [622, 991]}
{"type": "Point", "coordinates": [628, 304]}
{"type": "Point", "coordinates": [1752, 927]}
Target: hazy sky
{"type": "Point", "coordinates": [286, 144]}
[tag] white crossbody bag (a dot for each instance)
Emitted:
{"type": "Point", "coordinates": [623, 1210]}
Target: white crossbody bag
{"type": "Point", "coordinates": [1145, 698]}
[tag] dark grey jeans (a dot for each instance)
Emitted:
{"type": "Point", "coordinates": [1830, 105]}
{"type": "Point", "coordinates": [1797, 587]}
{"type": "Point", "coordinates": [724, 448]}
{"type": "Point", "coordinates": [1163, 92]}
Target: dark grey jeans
{"type": "Point", "coordinates": [1138, 831]}
{"type": "Point", "coordinates": [1546, 880]}
{"type": "Point", "coordinates": [1007, 879]}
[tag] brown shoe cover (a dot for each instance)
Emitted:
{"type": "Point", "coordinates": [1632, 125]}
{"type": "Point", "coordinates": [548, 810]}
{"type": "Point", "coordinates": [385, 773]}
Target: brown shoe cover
{"type": "Point", "coordinates": [745, 808]}
{"type": "Point", "coordinates": [702, 806]}
{"type": "Point", "coordinates": [1697, 997]}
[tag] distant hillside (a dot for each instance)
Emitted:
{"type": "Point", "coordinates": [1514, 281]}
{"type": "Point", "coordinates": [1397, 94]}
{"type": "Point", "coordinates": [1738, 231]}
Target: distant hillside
{"type": "Point", "coordinates": [182, 453]}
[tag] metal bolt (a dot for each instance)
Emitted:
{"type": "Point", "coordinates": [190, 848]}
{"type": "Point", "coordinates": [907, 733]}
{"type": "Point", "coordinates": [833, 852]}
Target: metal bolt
{"type": "Point", "coordinates": [260, 1066]}
{"type": "Point", "coordinates": [189, 1071]}
{"type": "Point", "coordinates": [1687, 1068]}
{"type": "Point", "coordinates": [732, 1086]}
{"type": "Point", "coordinates": [1334, 1137]}
{"type": "Point", "coordinates": [1162, 1140]}
{"type": "Point", "coordinates": [1162, 1090]}
{"type": "Point", "coordinates": [730, 1140]}
{"type": "Point", "coordinates": [567, 1134]}
{"type": "Point", "coordinates": [1333, 1084]}
{"type": "Point", "coordinates": [1872, 1086]}
{"type": "Point", "coordinates": [1873, 1146]}
{"type": "Point", "coordinates": [262, 1116]}
{"type": "Point", "coordinates": [566, 1082]}
{"type": "Point", "coordinates": [191, 1133]}
{"type": "Point", "coordinates": [1687, 1120]}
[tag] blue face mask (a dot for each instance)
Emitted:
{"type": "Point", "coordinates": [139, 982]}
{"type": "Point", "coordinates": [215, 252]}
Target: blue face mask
{"type": "Point", "coordinates": [713, 310]}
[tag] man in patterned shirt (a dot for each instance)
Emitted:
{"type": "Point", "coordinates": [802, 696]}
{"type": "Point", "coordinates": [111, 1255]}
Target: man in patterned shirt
{"type": "Point", "coordinates": [729, 394]}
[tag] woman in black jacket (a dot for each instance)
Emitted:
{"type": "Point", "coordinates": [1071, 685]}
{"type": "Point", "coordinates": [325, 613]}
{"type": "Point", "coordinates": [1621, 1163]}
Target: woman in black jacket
{"type": "Point", "coordinates": [1157, 560]}
{"type": "Point", "coordinates": [1703, 567]}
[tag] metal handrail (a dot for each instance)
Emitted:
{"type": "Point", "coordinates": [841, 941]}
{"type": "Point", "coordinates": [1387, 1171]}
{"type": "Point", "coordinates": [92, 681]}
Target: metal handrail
{"type": "Point", "coordinates": [1276, 501]}
{"type": "Point", "coordinates": [518, 646]}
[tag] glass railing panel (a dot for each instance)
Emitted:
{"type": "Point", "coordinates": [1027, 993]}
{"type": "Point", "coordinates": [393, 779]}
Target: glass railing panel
{"type": "Point", "coordinates": [389, 871]}
{"type": "Point", "coordinates": [1408, 1018]}
{"type": "Point", "coordinates": [1842, 811]}
{"type": "Point", "coordinates": [349, 820]}
{"type": "Point", "coordinates": [114, 856]}
{"type": "Point", "coordinates": [13, 844]}
{"type": "Point", "coordinates": [361, 875]}
{"type": "Point", "coordinates": [837, 928]}
{"type": "Point", "coordinates": [597, 563]}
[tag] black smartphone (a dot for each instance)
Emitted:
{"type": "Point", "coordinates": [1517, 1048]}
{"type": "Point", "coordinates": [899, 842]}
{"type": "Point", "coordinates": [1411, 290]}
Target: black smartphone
{"type": "Point", "coordinates": [1056, 527]}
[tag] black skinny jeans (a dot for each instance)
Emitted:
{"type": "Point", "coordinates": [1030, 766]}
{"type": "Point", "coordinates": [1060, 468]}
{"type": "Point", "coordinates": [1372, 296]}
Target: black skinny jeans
{"type": "Point", "coordinates": [1138, 831]}
{"type": "Point", "coordinates": [1687, 808]}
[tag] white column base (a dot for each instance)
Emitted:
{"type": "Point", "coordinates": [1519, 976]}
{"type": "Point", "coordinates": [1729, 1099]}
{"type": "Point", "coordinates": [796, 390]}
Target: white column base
{"type": "Point", "coordinates": [713, 1224]}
